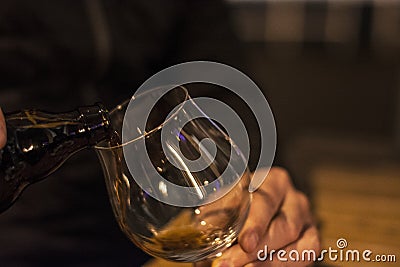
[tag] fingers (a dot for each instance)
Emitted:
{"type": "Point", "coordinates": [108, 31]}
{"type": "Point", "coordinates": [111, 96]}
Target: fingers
{"type": "Point", "coordinates": [279, 214]}
{"type": "Point", "coordinates": [3, 130]}
{"type": "Point", "coordinates": [294, 216]}
{"type": "Point", "coordinates": [266, 201]}
{"type": "Point", "coordinates": [285, 228]}
{"type": "Point", "coordinates": [301, 253]}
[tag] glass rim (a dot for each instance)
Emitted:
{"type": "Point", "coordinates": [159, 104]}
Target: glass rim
{"type": "Point", "coordinates": [119, 107]}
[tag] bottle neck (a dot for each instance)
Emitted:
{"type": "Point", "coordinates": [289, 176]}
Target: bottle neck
{"type": "Point", "coordinates": [34, 134]}
{"type": "Point", "coordinates": [95, 121]}
{"type": "Point", "coordinates": [39, 142]}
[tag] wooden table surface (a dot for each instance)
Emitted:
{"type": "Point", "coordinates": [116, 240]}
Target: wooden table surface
{"type": "Point", "coordinates": [361, 204]}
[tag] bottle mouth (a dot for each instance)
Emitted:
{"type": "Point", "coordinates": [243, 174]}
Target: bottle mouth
{"type": "Point", "coordinates": [96, 122]}
{"type": "Point", "coordinates": [116, 115]}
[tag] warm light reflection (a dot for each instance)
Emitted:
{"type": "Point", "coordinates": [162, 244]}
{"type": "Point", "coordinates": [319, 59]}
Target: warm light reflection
{"type": "Point", "coordinates": [28, 149]}
{"type": "Point", "coordinates": [163, 188]}
{"type": "Point", "coordinates": [128, 186]}
{"type": "Point", "coordinates": [187, 171]}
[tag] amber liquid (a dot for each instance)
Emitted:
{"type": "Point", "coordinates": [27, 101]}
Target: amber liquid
{"type": "Point", "coordinates": [181, 237]}
{"type": "Point", "coordinates": [188, 238]}
{"type": "Point", "coordinates": [181, 240]}
{"type": "Point", "coordinates": [173, 233]}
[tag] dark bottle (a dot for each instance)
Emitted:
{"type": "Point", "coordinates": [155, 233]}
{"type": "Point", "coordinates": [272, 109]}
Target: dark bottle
{"type": "Point", "coordinates": [39, 142]}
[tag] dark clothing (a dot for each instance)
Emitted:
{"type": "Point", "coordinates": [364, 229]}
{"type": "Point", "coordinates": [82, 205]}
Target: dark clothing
{"type": "Point", "coordinates": [56, 55]}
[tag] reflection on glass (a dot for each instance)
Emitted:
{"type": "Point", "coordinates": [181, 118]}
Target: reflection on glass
{"type": "Point", "coordinates": [162, 230]}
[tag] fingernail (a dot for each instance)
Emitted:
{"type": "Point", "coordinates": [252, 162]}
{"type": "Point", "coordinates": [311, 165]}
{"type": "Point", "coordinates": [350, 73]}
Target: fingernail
{"type": "Point", "coordinates": [222, 263]}
{"type": "Point", "coordinates": [250, 242]}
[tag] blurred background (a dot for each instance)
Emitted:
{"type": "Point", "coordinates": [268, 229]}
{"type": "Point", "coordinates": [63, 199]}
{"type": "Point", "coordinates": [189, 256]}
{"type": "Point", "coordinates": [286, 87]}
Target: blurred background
{"type": "Point", "coordinates": [330, 70]}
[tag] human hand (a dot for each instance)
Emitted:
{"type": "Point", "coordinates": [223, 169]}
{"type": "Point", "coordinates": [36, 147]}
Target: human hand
{"type": "Point", "coordinates": [279, 217]}
{"type": "Point", "coordinates": [3, 131]}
